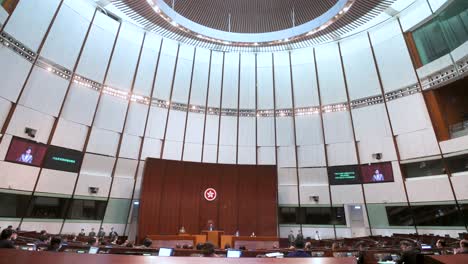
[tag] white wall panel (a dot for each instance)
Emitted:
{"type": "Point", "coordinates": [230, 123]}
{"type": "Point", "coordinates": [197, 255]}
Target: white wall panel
{"type": "Point", "coordinates": [18, 177]}
{"type": "Point", "coordinates": [80, 104]}
{"type": "Point", "coordinates": [287, 195]}
{"type": "Point", "coordinates": [151, 148]}
{"type": "Point", "coordinates": [325, 233]}
{"type": "Point", "coordinates": [200, 77]}
{"type": "Point", "coordinates": [408, 114]}
{"type": "Point", "coordinates": [313, 176]}
{"type": "Point", "coordinates": [147, 65]}
{"type": "Point", "coordinates": [70, 135]}
{"type": "Point", "coordinates": [227, 154]}
{"type": "Point", "coordinates": [156, 122]}
{"type": "Point", "coordinates": [140, 170]}
{"type": "Point", "coordinates": [417, 144]}
{"type": "Point", "coordinates": [341, 154]}
{"type": "Point", "coordinates": [44, 92]}
{"type": "Point", "coordinates": [13, 72]}
{"type": "Point", "coordinates": [126, 168]}
{"type": "Point", "coordinates": [111, 113]}
{"type": "Point", "coordinates": [172, 150]}
{"type": "Point", "coordinates": [122, 188]}
{"type": "Point", "coordinates": [39, 224]}
{"type": "Point", "coordinates": [125, 57]}
{"type": "Point", "coordinates": [247, 131]}
{"type": "Point", "coordinates": [194, 130]}
{"type": "Point", "coordinates": [311, 156]}
{"type": "Point", "coordinates": [25, 117]}
{"type": "Point", "coordinates": [266, 155]}
{"type": "Point", "coordinates": [337, 127]}
{"type": "Point", "coordinates": [265, 81]}
{"type": "Point", "coordinates": [85, 181]}
{"type": "Point", "coordinates": [176, 126]}
{"type": "Point", "coordinates": [228, 132]}
{"type": "Point", "coordinates": [97, 165]}
{"type": "Point", "coordinates": [3, 17]}
{"type": "Point", "coordinates": [192, 152]}
{"type": "Point", "coordinates": [287, 176]}
{"type": "Point", "coordinates": [231, 80]}
{"type": "Point", "coordinates": [418, 189]}
{"type": "Point", "coordinates": [130, 146]}
{"type": "Point", "coordinates": [369, 146]}
{"type": "Point", "coordinates": [306, 191]}
{"type": "Point", "coordinates": [460, 185]}
{"type": "Point", "coordinates": [247, 88]}
{"type": "Point", "coordinates": [210, 153]}
{"type": "Point", "coordinates": [66, 37]}
{"type": "Point", "coordinates": [54, 181]}
{"type": "Point", "coordinates": [211, 129]}
{"type": "Point", "coordinates": [286, 156]}
{"type": "Point", "coordinates": [5, 145]}
{"type": "Point", "coordinates": [330, 74]}
{"type": "Point", "coordinates": [393, 59]}
{"type": "Point", "coordinates": [103, 142]}
{"type": "Point", "coordinates": [282, 80]}
{"type": "Point", "coordinates": [246, 155]}
{"type": "Point", "coordinates": [167, 64]}
{"type": "Point", "coordinates": [390, 192]}
{"type": "Point", "coordinates": [4, 110]}
{"type": "Point", "coordinates": [266, 131]}
{"type": "Point", "coordinates": [71, 226]}
{"type": "Point", "coordinates": [136, 119]}
{"type": "Point", "coordinates": [454, 145]}
{"type": "Point", "coordinates": [285, 131]}
{"type": "Point", "coordinates": [414, 15]}
{"type": "Point", "coordinates": [434, 66]}
{"type": "Point", "coordinates": [309, 130]}
{"type": "Point", "coordinates": [304, 77]}
{"type": "Point", "coordinates": [359, 67]}
{"type": "Point", "coordinates": [98, 48]}
{"type": "Point", "coordinates": [183, 75]}
{"type": "Point", "coordinates": [216, 71]}
{"type": "Point", "coordinates": [347, 194]}
{"type": "Point", "coordinates": [30, 21]}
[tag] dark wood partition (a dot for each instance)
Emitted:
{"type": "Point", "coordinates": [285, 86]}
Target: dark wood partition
{"type": "Point", "coordinates": [172, 196]}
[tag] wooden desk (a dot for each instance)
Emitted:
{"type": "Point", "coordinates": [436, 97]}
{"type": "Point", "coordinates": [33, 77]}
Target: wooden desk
{"type": "Point", "coordinates": [449, 259]}
{"type": "Point", "coordinates": [255, 243]}
{"type": "Point", "coordinates": [213, 236]}
{"type": "Point", "coordinates": [160, 241]}
{"type": "Point", "coordinates": [44, 257]}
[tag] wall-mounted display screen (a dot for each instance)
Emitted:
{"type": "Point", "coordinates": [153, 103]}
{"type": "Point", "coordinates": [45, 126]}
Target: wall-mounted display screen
{"type": "Point", "coordinates": [63, 159]}
{"type": "Point", "coordinates": [344, 175]}
{"type": "Point", "coordinates": [377, 172]}
{"type": "Point", "coordinates": [26, 152]}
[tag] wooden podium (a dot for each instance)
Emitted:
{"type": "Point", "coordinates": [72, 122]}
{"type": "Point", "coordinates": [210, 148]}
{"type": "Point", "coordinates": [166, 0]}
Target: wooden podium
{"type": "Point", "coordinates": [213, 236]}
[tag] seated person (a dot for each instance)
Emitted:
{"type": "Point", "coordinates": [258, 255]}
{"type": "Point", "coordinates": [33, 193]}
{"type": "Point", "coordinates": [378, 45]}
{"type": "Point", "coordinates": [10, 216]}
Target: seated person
{"type": "Point", "coordinates": [92, 233]}
{"type": "Point", "coordinates": [208, 250]}
{"type": "Point", "coordinates": [82, 233]}
{"type": "Point", "coordinates": [199, 246]}
{"type": "Point", "coordinates": [93, 242]}
{"type": "Point", "coordinates": [55, 244]}
{"type": "Point", "coordinates": [101, 233]}
{"type": "Point", "coordinates": [182, 230]}
{"type": "Point", "coordinates": [43, 237]}
{"type": "Point", "coordinates": [463, 249]}
{"type": "Point", "coordinates": [147, 243]}
{"type": "Point", "coordinates": [299, 251]}
{"type": "Point", "coordinates": [5, 239]}
{"type": "Point", "coordinates": [408, 253]}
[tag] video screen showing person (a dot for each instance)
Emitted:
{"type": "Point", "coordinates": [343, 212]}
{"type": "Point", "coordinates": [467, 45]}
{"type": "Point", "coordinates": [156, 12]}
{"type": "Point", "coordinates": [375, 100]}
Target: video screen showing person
{"type": "Point", "coordinates": [344, 175]}
{"type": "Point", "coordinates": [26, 152]}
{"type": "Point", "coordinates": [377, 172]}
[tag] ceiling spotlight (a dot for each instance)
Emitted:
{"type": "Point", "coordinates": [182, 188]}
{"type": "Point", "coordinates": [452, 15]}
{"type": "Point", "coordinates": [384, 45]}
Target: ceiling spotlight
{"type": "Point", "coordinates": [174, 23]}
{"type": "Point", "coordinates": [49, 69]}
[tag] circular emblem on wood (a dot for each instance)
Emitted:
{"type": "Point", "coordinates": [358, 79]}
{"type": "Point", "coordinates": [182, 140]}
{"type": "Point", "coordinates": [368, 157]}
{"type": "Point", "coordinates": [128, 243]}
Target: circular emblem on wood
{"type": "Point", "coordinates": [210, 194]}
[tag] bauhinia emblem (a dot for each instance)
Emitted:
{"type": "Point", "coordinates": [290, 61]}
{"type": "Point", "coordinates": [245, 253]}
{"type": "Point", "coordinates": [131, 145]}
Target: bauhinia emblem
{"type": "Point", "coordinates": [210, 194]}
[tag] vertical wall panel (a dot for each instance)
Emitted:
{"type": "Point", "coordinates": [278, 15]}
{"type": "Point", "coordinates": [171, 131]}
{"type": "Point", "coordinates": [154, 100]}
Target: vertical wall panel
{"type": "Point", "coordinates": [282, 80]}
{"type": "Point", "coordinates": [200, 77]}
{"type": "Point", "coordinates": [80, 104]}
{"type": "Point", "coordinates": [183, 74]}
{"type": "Point", "coordinates": [167, 60]}
{"type": "Point", "coordinates": [13, 73]}
{"type": "Point", "coordinates": [247, 82]}
{"type": "Point", "coordinates": [265, 81]}
{"type": "Point", "coordinates": [230, 80]}
{"type": "Point", "coordinates": [125, 57]}
{"type": "Point", "coordinates": [330, 74]}
{"type": "Point", "coordinates": [98, 48]}
{"type": "Point", "coordinates": [147, 65]}
{"type": "Point", "coordinates": [216, 72]}
{"type": "Point", "coordinates": [304, 78]}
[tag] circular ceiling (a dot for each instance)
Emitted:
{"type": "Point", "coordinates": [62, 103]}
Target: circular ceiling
{"type": "Point", "coordinates": [258, 24]}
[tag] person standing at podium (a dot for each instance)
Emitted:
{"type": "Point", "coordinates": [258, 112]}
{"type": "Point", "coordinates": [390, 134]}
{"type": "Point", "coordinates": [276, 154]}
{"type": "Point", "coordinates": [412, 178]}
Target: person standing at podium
{"type": "Point", "coordinates": [211, 226]}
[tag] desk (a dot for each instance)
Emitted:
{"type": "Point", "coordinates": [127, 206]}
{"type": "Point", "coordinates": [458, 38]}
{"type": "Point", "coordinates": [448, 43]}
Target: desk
{"type": "Point", "coordinates": [44, 257]}
{"type": "Point", "coordinates": [254, 243]}
{"type": "Point", "coordinates": [160, 241]}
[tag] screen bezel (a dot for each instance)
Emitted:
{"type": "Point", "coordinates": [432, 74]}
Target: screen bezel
{"type": "Point", "coordinates": [32, 142]}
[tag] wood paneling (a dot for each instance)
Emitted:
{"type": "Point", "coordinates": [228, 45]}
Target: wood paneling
{"type": "Point", "coordinates": [172, 196]}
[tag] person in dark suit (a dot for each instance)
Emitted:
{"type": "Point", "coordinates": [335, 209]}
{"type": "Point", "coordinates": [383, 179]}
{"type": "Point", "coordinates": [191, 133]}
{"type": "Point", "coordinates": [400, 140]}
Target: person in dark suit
{"type": "Point", "coordinates": [55, 244]}
{"type": "Point", "coordinates": [82, 233]}
{"type": "Point", "coordinates": [291, 238]}
{"type": "Point", "coordinates": [408, 254]}
{"type": "Point", "coordinates": [113, 234]}
{"type": "Point", "coordinates": [299, 251]}
{"type": "Point", "coordinates": [5, 239]}
{"type": "Point", "coordinates": [300, 236]}
{"type": "Point", "coordinates": [101, 233]}
{"type": "Point", "coordinates": [92, 233]}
